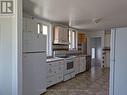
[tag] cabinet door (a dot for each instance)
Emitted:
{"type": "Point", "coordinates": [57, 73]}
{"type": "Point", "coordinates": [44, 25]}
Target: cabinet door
{"type": "Point", "coordinates": [55, 72]}
{"type": "Point", "coordinates": [81, 38]}
{"type": "Point", "coordinates": [77, 65]}
{"type": "Point", "coordinates": [59, 77]}
{"type": "Point", "coordinates": [82, 64]}
{"type": "Point", "coordinates": [61, 66]}
{"type": "Point", "coordinates": [66, 36]}
{"type": "Point", "coordinates": [51, 81]}
{"type": "Point", "coordinates": [61, 35]}
{"type": "Point", "coordinates": [58, 35]}
{"type": "Point", "coordinates": [55, 68]}
{"type": "Point", "coordinates": [52, 69]}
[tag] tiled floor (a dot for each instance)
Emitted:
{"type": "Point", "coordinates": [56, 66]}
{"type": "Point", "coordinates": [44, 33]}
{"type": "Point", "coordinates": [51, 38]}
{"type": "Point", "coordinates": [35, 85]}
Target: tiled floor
{"type": "Point", "coordinates": [94, 82]}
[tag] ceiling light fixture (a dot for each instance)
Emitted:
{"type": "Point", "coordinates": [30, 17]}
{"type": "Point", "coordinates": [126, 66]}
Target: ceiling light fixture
{"type": "Point", "coordinates": [97, 20]}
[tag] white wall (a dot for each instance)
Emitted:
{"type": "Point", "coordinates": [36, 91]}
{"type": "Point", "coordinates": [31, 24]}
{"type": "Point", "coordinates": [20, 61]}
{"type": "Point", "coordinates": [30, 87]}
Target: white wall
{"type": "Point", "coordinates": [107, 39]}
{"type": "Point", "coordinates": [107, 45]}
{"type": "Point", "coordinates": [10, 52]}
{"type": "Point", "coordinates": [5, 56]}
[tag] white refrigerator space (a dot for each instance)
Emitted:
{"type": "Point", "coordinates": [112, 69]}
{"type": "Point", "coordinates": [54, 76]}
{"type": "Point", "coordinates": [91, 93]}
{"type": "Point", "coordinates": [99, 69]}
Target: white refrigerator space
{"type": "Point", "coordinates": [120, 63]}
{"type": "Point", "coordinates": [34, 73]}
{"type": "Point", "coordinates": [34, 63]}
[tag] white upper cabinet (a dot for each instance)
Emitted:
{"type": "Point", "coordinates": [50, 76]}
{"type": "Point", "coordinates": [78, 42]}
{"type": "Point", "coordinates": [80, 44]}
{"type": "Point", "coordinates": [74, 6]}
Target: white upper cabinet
{"type": "Point", "coordinates": [61, 35]}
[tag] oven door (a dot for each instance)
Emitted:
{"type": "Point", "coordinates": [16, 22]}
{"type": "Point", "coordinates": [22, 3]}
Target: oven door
{"type": "Point", "coordinates": [69, 66]}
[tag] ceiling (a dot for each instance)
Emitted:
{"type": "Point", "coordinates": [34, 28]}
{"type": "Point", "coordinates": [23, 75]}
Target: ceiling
{"type": "Point", "coordinates": [80, 13]}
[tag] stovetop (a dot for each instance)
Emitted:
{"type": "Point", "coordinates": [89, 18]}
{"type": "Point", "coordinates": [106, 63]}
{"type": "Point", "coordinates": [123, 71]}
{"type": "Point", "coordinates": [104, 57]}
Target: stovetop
{"type": "Point", "coordinates": [64, 56]}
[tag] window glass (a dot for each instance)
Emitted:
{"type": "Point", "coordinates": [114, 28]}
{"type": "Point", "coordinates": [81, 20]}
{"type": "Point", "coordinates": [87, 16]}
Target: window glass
{"type": "Point", "coordinates": [72, 39]}
{"type": "Point", "coordinates": [45, 29]}
{"type": "Point", "coordinates": [93, 53]}
{"type": "Point", "coordinates": [39, 28]}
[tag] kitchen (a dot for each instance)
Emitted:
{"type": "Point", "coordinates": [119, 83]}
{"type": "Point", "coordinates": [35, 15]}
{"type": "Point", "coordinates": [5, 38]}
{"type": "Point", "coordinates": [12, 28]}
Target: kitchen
{"type": "Point", "coordinates": [66, 53]}
{"type": "Point", "coordinates": [60, 47]}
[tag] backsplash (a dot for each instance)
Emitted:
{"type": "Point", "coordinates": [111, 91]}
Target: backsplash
{"type": "Point", "coordinates": [66, 53]}
{"type": "Point", "coordinates": [59, 47]}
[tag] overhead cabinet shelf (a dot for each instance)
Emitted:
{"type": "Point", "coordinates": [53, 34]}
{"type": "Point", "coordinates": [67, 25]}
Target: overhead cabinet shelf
{"type": "Point", "coordinates": [61, 35]}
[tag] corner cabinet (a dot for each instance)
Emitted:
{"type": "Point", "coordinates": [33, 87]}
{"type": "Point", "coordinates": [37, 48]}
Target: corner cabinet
{"type": "Point", "coordinates": [61, 35]}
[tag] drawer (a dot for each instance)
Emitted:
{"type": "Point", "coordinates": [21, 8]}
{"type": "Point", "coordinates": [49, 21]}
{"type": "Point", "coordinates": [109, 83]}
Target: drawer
{"type": "Point", "coordinates": [51, 64]}
{"type": "Point", "coordinates": [52, 71]}
{"type": "Point", "coordinates": [55, 68]}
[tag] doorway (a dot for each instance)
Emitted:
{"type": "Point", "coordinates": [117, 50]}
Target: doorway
{"type": "Point", "coordinates": [96, 52]}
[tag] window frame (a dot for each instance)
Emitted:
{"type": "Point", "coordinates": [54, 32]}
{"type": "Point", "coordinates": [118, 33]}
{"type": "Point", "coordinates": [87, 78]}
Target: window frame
{"type": "Point", "coordinates": [73, 39]}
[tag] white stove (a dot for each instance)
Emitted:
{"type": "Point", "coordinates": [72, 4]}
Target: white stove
{"type": "Point", "coordinates": [69, 71]}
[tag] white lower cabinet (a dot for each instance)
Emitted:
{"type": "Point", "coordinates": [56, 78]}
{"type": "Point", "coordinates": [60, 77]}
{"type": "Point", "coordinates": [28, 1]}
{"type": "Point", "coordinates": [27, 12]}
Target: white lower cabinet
{"type": "Point", "coordinates": [55, 72]}
{"type": "Point", "coordinates": [77, 65]}
{"type": "Point", "coordinates": [51, 81]}
{"type": "Point", "coordinates": [80, 64]}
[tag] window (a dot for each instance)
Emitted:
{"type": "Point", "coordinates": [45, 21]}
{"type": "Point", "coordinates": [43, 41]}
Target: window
{"type": "Point", "coordinates": [93, 53]}
{"type": "Point", "coordinates": [46, 30]}
{"type": "Point", "coordinates": [39, 28]}
{"type": "Point", "coordinates": [72, 39]}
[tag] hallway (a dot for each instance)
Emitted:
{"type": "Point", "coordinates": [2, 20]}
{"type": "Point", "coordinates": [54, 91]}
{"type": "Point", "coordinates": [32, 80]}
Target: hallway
{"type": "Point", "coordinates": [94, 82]}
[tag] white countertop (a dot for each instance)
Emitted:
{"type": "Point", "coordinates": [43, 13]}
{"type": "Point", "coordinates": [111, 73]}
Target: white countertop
{"type": "Point", "coordinates": [57, 58]}
{"type": "Point", "coordinates": [54, 59]}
